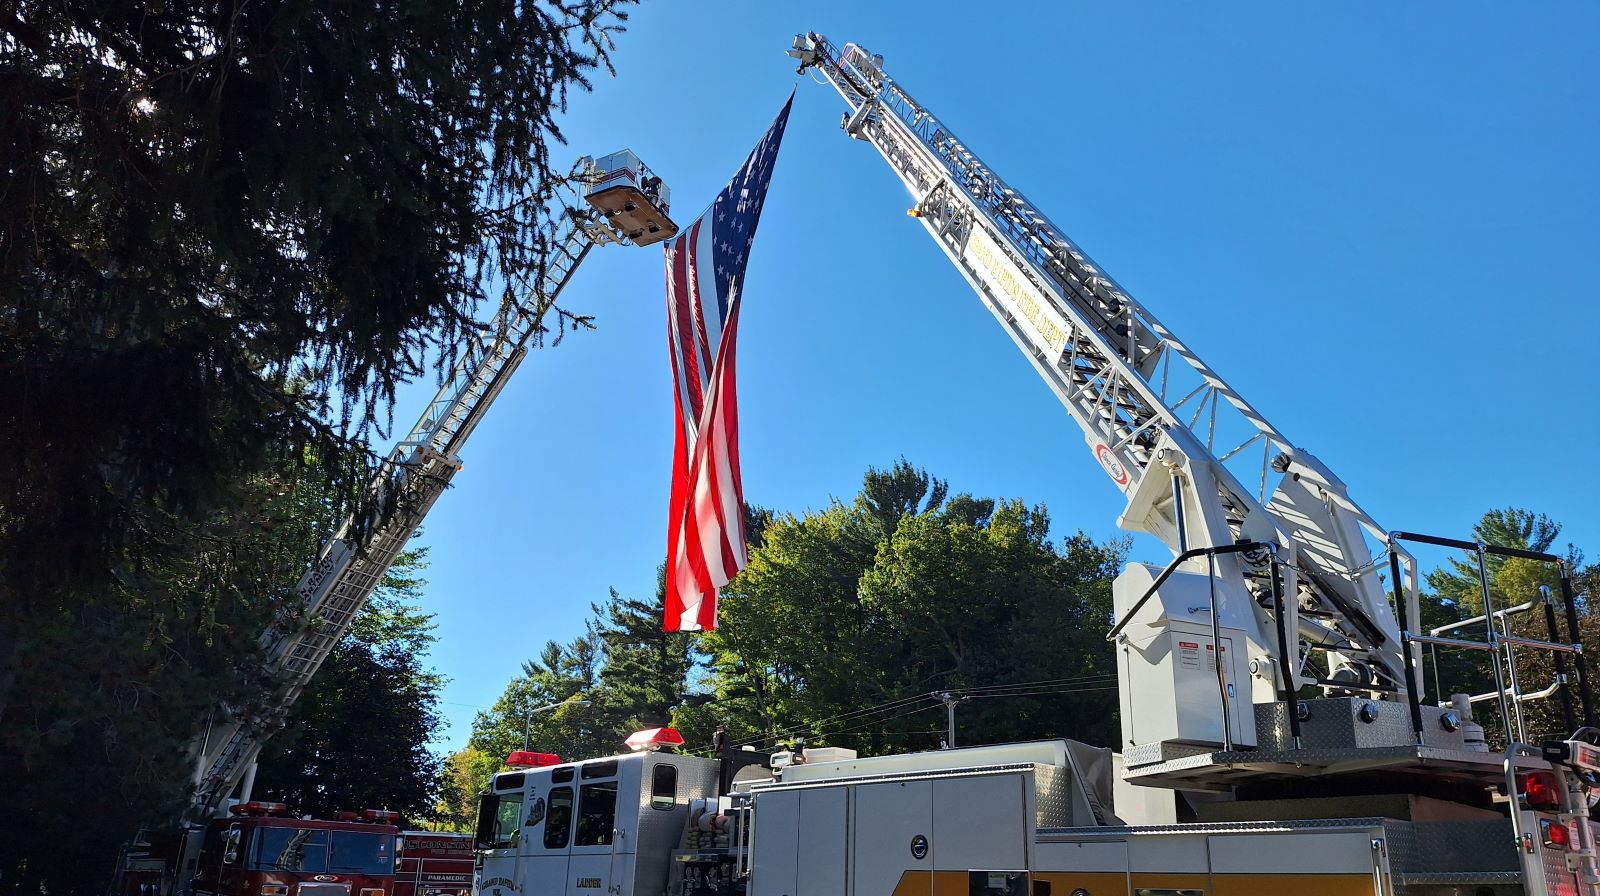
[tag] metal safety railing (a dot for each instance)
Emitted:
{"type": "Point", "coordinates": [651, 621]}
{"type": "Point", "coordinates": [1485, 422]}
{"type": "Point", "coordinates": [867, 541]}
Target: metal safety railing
{"type": "Point", "coordinates": [1285, 681]}
{"type": "Point", "coordinates": [1498, 642]}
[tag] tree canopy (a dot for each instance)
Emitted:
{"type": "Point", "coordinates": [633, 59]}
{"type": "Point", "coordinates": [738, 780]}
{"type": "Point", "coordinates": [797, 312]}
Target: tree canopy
{"type": "Point", "coordinates": [230, 228]}
{"type": "Point", "coordinates": [1511, 527]}
{"type": "Point", "coordinates": [904, 592]}
{"type": "Point", "coordinates": [360, 736]}
{"type": "Point", "coordinates": [1457, 594]}
{"type": "Point", "coordinates": [844, 626]}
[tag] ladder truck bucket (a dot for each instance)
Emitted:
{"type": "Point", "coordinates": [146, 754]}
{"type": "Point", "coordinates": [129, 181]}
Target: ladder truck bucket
{"type": "Point", "coordinates": [632, 198]}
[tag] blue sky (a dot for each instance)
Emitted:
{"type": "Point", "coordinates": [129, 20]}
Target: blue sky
{"type": "Point", "coordinates": [1378, 221]}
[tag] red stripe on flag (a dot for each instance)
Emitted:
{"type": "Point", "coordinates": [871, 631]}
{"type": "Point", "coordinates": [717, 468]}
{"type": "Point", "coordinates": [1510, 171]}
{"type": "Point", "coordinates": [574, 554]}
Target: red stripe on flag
{"type": "Point", "coordinates": [712, 504]}
{"type": "Point", "coordinates": [685, 353]}
{"type": "Point", "coordinates": [675, 508]}
{"type": "Point", "coordinates": [729, 489]}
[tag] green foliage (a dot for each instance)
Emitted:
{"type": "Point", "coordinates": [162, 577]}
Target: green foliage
{"type": "Point", "coordinates": [630, 673]}
{"type": "Point", "coordinates": [231, 228]}
{"type": "Point", "coordinates": [466, 773]}
{"type": "Point", "coordinates": [358, 738]}
{"type": "Point", "coordinates": [645, 670]}
{"type": "Point", "coordinates": [904, 591]}
{"type": "Point", "coordinates": [1511, 527]}
{"type": "Point", "coordinates": [108, 687]}
{"type": "Point", "coordinates": [1457, 595]}
{"type": "Point", "coordinates": [391, 617]}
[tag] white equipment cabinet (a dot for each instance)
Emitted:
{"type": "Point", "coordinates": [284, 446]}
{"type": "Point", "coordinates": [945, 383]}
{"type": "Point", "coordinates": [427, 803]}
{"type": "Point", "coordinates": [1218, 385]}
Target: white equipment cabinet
{"type": "Point", "coordinates": [1167, 661]}
{"type": "Point", "coordinates": [889, 825]}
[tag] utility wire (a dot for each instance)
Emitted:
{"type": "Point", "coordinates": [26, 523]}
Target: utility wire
{"type": "Point", "coordinates": [1083, 684]}
{"type": "Point", "coordinates": [1014, 689]}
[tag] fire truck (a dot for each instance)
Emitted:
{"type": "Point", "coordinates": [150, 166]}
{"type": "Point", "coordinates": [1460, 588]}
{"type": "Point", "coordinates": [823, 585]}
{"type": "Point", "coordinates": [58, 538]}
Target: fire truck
{"type": "Point", "coordinates": [434, 863]}
{"type": "Point", "coordinates": [258, 849]}
{"type": "Point", "coordinates": [1281, 732]}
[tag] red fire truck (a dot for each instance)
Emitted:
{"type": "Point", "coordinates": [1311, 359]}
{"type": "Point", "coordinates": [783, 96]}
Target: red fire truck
{"type": "Point", "coordinates": [434, 864]}
{"type": "Point", "coordinates": [261, 851]}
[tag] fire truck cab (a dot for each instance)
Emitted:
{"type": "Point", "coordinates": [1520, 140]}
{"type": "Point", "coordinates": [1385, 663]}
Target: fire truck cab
{"type": "Point", "coordinates": [602, 826]}
{"type": "Point", "coordinates": [262, 852]}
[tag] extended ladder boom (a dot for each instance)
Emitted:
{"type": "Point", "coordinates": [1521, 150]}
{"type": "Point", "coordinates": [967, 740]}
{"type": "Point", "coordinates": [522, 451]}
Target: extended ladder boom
{"type": "Point", "coordinates": [1197, 463]}
{"type": "Point", "coordinates": [349, 567]}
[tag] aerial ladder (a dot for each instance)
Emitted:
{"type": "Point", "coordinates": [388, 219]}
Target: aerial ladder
{"type": "Point", "coordinates": [1197, 463]}
{"type": "Point", "coordinates": [1270, 654]}
{"type": "Point", "coordinates": [628, 205]}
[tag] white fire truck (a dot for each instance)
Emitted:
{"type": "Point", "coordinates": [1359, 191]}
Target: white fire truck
{"type": "Point", "coordinates": [1279, 731]}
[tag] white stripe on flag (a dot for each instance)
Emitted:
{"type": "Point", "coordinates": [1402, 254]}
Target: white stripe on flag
{"type": "Point", "coordinates": [705, 262]}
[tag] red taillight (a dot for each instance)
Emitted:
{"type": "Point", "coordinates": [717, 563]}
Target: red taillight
{"type": "Point", "coordinates": [1538, 790]}
{"type": "Point", "coordinates": [1556, 834]}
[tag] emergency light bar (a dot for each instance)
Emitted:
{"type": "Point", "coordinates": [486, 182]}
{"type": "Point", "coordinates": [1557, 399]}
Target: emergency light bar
{"type": "Point", "coordinates": [653, 739]}
{"type": "Point", "coordinates": [372, 816]}
{"type": "Point", "coordinates": [259, 808]}
{"type": "Point", "coordinates": [527, 759]}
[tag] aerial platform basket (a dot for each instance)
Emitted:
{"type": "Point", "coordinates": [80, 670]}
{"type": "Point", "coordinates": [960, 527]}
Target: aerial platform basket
{"type": "Point", "coordinates": [632, 197]}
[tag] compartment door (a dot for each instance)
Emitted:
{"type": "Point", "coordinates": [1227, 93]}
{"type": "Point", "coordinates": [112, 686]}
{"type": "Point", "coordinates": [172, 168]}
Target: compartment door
{"type": "Point", "coordinates": [982, 823]}
{"type": "Point", "coordinates": [824, 848]}
{"type": "Point", "coordinates": [892, 839]}
{"type": "Point", "coordinates": [774, 844]}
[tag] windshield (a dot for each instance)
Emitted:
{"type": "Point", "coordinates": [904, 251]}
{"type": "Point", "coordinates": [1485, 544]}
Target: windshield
{"type": "Point", "coordinates": [360, 853]}
{"type": "Point", "coordinates": [290, 849]}
{"type": "Point", "coordinates": [316, 852]}
{"type": "Point", "coordinates": [507, 814]}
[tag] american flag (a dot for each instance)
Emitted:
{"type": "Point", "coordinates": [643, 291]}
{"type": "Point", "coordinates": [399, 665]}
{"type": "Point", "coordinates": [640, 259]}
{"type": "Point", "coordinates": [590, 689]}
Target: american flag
{"type": "Point", "coordinates": [705, 273]}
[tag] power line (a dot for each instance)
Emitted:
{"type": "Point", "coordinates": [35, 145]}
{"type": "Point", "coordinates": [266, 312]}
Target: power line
{"type": "Point", "coordinates": [1044, 687]}
{"type": "Point", "coordinates": [1014, 689]}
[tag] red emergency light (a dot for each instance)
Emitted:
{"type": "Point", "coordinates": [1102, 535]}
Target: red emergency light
{"type": "Point", "coordinates": [380, 816]}
{"type": "Point", "coordinates": [529, 759]}
{"type": "Point", "coordinates": [258, 808]}
{"type": "Point", "coordinates": [1538, 790]}
{"type": "Point", "coordinates": [1556, 835]}
{"type": "Point", "coordinates": [654, 739]}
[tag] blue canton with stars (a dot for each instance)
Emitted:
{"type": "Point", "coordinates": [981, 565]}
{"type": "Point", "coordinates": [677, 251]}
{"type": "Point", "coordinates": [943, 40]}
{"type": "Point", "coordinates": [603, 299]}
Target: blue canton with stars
{"type": "Point", "coordinates": [734, 213]}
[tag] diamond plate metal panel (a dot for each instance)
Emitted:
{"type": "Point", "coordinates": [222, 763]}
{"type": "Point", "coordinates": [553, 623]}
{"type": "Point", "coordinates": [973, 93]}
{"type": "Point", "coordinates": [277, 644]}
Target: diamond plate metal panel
{"type": "Point", "coordinates": [1237, 827]}
{"type": "Point", "coordinates": [1220, 769]}
{"type": "Point", "coordinates": [1456, 846]}
{"type": "Point", "coordinates": [1052, 805]}
{"type": "Point", "coordinates": [1335, 723]}
{"type": "Point", "coordinates": [1401, 843]}
{"type": "Point", "coordinates": [1160, 751]}
{"type": "Point", "coordinates": [661, 829]}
